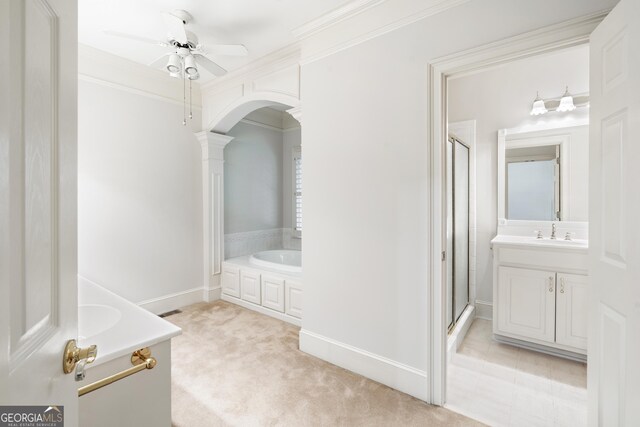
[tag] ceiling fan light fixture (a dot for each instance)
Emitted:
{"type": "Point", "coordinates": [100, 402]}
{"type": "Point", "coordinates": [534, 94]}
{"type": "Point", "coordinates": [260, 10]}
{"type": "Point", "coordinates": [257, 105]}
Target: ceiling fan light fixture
{"type": "Point", "coordinates": [190, 66]}
{"type": "Point", "coordinates": [174, 65]}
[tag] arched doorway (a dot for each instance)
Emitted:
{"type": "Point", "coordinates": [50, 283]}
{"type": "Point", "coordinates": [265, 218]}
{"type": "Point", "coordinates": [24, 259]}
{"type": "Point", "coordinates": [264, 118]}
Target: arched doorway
{"type": "Point", "coordinates": [212, 143]}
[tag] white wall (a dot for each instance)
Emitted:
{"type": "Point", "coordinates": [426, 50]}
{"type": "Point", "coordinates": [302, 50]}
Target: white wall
{"type": "Point", "coordinates": [139, 193]}
{"type": "Point", "coordinates": [501, 98]}
{"type": "Point", "coordinates": [253, 179]}
{"type": "Point", "coordinates": [367, 177]}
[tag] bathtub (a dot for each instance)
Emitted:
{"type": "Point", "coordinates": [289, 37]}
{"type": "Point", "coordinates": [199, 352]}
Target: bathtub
{"type": "Point", "coordinates": [282, 259]}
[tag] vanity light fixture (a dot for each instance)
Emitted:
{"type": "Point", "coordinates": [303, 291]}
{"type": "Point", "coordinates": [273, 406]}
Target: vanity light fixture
{"type": "Point", "coordinates": [538, 107]}
{"type": "Point", "coordinates": [566, 102]}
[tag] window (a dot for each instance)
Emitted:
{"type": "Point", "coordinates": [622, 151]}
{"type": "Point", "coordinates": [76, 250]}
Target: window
{"type": "Point", "coordinates": [297, 191]}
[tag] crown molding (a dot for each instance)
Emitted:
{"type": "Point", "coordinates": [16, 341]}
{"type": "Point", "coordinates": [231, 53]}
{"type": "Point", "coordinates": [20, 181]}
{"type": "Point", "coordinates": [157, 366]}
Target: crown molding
{"type": "Point", "coordinates": [329, 19]}
{"type": "Point", "coordinates": [97, 66]}
{"type": "Point", "coordinates": [371, 25]}
{"type": "Point", "coordinates": [133, 90]}
{"type": "Point", "coordinates": [261, 125]}
{"type": "Point", "coordinates": [273, 61]}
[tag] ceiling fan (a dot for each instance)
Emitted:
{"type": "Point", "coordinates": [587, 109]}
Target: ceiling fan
{"type": "Point", "coordinates": [186, 53]}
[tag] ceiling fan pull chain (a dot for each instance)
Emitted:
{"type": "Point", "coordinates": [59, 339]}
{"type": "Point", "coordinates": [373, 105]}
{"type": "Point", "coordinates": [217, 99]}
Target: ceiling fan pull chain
{"type": "Point", "coordinates": [184, 101]}
{"type": "Point", "coordinates": [190, 101]}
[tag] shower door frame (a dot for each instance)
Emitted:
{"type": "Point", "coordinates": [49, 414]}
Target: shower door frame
{"type": "Point", "coordinates": [453, 140]}
{"type": "Point", "coordinates": [571, 33]}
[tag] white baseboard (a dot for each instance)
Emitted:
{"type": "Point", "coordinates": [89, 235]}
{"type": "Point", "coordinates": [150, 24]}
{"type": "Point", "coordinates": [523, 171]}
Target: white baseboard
{"type": "Point", "coordinates": [484, 310]}
{"type": "Point", "coordinates": [172, 302]}
{"type": "Point", "coordinates": [212, 294]}
{"type": "Point", "coordinates": [386, 371]}
{"type": "Point", "coordinates": [260, 309]}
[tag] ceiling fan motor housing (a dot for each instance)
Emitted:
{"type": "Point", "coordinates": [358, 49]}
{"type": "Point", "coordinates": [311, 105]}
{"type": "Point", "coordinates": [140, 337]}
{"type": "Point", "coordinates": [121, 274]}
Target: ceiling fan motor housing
{"type": "Point", "coordinates": [192, 41]}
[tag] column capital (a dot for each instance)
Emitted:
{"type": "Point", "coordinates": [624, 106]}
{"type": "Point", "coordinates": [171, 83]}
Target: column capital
{"type": "Point", "coordinates": [212, 144]}
{"type": "Point", "coordinates": [296, 113]}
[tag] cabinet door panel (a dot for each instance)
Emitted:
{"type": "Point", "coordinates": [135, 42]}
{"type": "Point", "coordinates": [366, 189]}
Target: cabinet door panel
{"type": "Point", "coordinates": [293, 299]}
{"type": "Point", "coordinates": [571, 311]}
{"type": "Point", "coordinates": [273, 293]}
{"type": "Point", "coordinates": [526, 303]}
{"type": "Point", "coordinates": [231, 281]}
{"type": "Point", "coordinates": [250, 286]}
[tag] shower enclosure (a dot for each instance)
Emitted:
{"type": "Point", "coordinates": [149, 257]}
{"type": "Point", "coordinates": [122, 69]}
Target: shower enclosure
{"type": "Point", "coordinates": [457, 229]}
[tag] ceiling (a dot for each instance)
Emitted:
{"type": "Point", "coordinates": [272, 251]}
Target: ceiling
{"type": "Point", "coordinates": [263, 26]}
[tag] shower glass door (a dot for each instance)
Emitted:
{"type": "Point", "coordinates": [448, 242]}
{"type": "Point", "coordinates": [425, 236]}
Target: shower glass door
{"type": "Point", "coordinates": [457, 229]}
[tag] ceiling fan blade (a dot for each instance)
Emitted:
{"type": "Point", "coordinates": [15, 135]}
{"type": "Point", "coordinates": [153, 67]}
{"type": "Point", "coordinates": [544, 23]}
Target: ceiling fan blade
{"type": "Point", "coordinates": [176, 27]}
{"type": "Point", "coordinates": [209, 65]}
{"type": "Point", "coordinates": [227, 49]}
{"type": "Point", "coordinates": [136, 38]}
{"type": "Point", "coordinates": [160, 61]}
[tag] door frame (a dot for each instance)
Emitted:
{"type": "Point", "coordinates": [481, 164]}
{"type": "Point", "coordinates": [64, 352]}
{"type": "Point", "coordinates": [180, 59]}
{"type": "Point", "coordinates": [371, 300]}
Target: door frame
{"type": "Point", "coordinates": [548, 39]}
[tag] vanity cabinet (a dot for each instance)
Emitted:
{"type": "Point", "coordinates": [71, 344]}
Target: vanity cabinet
{"type": "Point", "coordinates": [540, 295]}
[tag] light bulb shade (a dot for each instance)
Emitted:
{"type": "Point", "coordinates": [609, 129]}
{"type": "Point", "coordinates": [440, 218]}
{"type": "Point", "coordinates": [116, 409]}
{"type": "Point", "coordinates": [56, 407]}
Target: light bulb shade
{"type": "Point", "coordinates": [566, 103]}
{"type": "Point", "coordinates": [190, 65]}
{"type": "Point", "coordinates": [538, 107]}
{"type": "Point", "coordinates": [195, 76]}
{"type": "Point", "coordinates": [174, 64]}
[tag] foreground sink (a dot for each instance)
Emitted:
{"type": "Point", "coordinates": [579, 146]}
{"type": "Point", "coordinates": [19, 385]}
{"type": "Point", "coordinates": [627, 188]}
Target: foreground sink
{"type": "Point", "coordinates": [96, 318]}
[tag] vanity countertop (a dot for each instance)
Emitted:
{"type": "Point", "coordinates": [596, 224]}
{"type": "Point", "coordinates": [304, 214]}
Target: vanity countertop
{"type": "Point", "coordinates": [117, 326]}
{"type": "Point", "coordinates": [532, 242]}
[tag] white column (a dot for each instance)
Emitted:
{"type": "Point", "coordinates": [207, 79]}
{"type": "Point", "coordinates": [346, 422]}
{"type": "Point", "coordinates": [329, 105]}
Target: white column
{"type": "Point", "coordinates": [212, 210]}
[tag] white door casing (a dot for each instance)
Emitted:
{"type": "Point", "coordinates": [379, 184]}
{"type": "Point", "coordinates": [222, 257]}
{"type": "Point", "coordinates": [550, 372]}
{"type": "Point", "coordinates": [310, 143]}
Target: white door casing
{"type": "Point", "coordinates": [614, 209]}
{"type": "Point", "coordinates": [38, 140]}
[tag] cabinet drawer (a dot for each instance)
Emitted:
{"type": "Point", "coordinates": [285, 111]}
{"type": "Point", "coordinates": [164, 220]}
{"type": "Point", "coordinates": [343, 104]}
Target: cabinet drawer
{"type": "Point", "coordinates": [273, 293]}
{"type": "Point", "coordinates": [250, 286]}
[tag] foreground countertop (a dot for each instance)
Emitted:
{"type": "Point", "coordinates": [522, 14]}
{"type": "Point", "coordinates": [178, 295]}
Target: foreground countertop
{"type": "Point", "coordinates": [532, 242]}
{"type": "Point", "coordinates": [135, 328]}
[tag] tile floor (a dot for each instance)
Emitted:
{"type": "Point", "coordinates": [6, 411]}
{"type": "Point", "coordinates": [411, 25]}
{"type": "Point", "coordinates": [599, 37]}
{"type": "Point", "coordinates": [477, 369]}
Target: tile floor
{"type": "Point", "coordinates": [502, 385]}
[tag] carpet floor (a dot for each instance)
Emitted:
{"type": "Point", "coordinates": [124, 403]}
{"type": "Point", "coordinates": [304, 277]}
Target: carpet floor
{"type": "Point", "coordinates": [235, 367]}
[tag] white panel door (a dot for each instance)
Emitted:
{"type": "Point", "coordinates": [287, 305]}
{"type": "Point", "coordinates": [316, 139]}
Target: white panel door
{"type": "Point", "coordinates": [526, 303]}
{"type": "Point", "coordinates": [231, 281]}
{"type": "Point", "coordinates": [273, 293]}
{"type": "Point", "coordinates": [250, 286]}
{"type": "Point", "coordinates": [293, 299]}
{"type": "Point", "coordinates": [614, 209]}
{"type": "Point", "coordinates": [571, 310]}
{"type": "Point", "coordinates": [38, 146]}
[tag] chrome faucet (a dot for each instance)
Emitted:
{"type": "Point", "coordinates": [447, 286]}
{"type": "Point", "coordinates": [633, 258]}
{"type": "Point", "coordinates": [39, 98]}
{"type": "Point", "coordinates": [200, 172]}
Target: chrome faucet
{"type": "Point", "coordinates": [553, 231]}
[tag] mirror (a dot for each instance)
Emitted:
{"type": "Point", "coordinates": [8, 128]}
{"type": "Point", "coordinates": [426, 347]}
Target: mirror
{"type": "Point", "coordinates": [543, 174]}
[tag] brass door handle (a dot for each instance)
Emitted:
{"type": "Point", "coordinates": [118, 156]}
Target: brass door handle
{"type": "Point", "coordinates": [76, 358]}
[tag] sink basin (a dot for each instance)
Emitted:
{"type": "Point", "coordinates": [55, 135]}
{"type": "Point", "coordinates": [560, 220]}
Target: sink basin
{"type": "Point", "coordinates": [545, 242]}
{"type": "Point", "coordinates": [96, 318]}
